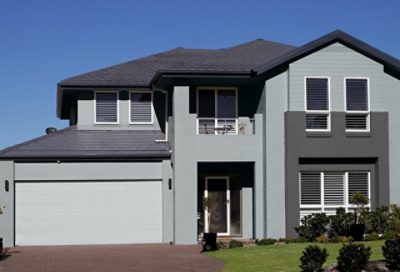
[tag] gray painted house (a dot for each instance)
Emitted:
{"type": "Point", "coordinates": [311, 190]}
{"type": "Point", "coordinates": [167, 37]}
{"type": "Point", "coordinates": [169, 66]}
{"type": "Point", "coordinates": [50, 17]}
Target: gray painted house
{"type": "Point", "coordinates": [269, 131]}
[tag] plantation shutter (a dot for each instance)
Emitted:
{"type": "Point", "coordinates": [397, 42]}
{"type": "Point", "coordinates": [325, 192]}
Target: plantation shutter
{"type": "Point", "coordinates": [317, 94]}
{"type": "Point", "coordinates": [141, 110]}
{"type": "Point", "coordinates": [226, 101]}
{"type": "Point", "coordinates": [356, 95]}
{"type": "Point", "coordinates": [333, 188]}
{"type": "Point", "coordinates": [206, 103]}
{"type": "Point", "coordinates": [358, 182]}
{"type": "Point", "coordinates": [310, 188]}
{"type": "Point", "coordinates": [106, 107]}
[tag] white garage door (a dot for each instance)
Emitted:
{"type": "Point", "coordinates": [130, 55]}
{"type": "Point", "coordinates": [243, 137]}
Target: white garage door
{"type": "Point", "coordinates": [73, 213]}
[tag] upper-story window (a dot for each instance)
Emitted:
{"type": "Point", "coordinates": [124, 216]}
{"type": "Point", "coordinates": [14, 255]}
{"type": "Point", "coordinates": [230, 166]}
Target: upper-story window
{"type": "Point", "coordinates": [317, 103]}
{"type": "Point", "coordinates": [141, 107]}
{"type": "Point", "coordinates": [217, 111]}
{"type": "Point", "coordinates": [106, 107]}
{"type": "Point", "coordinates": [357, 104]}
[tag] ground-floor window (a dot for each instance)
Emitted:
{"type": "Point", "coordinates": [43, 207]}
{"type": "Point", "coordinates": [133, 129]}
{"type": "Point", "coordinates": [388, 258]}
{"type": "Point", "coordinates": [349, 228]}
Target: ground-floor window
{"type": "Point", "coordinates": [327, 191]}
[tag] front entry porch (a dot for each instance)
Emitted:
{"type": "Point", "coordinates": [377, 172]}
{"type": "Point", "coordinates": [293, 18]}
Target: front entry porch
{"type": "Point", "coordinates": [225, 199]}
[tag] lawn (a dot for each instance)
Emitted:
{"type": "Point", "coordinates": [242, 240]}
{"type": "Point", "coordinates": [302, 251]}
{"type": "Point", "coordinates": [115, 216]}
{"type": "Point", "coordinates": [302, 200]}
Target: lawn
{"type": "Point", "coordinates": [280, 257]}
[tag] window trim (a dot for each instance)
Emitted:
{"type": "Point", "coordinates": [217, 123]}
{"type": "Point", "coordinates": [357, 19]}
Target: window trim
{"type": "Point", "coordinates": [346, 199]}
{"type": "Point", "coordinates": [215, 89]}
{"type": "Point", "coordinates": [350, 112]}
{"type": "Point", "coordinates": [152, 107]}
{"type": "Point", "coordinates": [95, 107]}
{"type": "Point", "coordinates": [327, 112]}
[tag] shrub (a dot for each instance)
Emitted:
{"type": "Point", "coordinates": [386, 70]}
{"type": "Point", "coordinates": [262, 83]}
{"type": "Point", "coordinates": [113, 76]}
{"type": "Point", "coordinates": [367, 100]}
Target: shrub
{"type": "Point", "coordinates": [389, 235]}
{"type": "Point", "coordinates": [312, 226]}
{"type": "Point", "coordinates": [322, 239]}
{"type": "Point", "coordinates": [353, 257]}
{"type": "Point", "coordinates": [394, 218]}
{"type": "Point", "coordinates": [235, 243]}
{"type": "Point", "coordinates": [221, 245]}
{"type": "Point", "coordinates": [371, 237]}
{"type": "Point", "coordinates": [289, 240]}
{"type": "Point", "coordinates": [377, 221]}
{"type": "Point", "coordinates": [340, 223]}
{"type": "Point", "coordinates": [340, 239]}
{"type": "Point", "coordinates": [391, 252]}
{"type": "Point", "coordinates": [313, 258]}
{"type": "Point", "coordinates": [266, 241]}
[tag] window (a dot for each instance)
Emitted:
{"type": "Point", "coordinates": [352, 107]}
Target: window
{"type": "Point", "coordinates": [141, 109]}
{"type": "Point", "coordinates": [327, 191]}
{"type": "Point", "coordinates": [106, 107]}
{"type": "Point", "coordinates": [317, 104]}
{"type": "Point", "coordinates": [357, 104]}
{"type": "Point", "coordinates": [217, 111]}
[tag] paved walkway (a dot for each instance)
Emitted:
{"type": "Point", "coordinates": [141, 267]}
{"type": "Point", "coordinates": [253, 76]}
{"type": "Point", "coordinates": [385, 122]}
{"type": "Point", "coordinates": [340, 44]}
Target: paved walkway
{"type": "Point", "coordinates": [109, 258]}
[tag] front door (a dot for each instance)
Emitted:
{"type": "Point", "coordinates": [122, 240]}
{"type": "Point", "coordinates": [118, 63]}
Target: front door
{"type": "Point", "coordinates": [217, 212]}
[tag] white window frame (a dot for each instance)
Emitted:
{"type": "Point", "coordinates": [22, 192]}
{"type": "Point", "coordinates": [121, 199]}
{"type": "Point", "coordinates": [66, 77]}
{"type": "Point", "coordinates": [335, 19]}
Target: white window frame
{"type": "Point", "coordinates": [347, 205]}
{"type": "Point", "coordinates": [95, 107]}
{"type": "Point", "coordinates": [327, 112]}
{"type": "Point", "coordinates": [216, 89]}
{"type": "Point", "coordinates": [349, 112]}
{"type": "Point", "coordinates": [152, 108]}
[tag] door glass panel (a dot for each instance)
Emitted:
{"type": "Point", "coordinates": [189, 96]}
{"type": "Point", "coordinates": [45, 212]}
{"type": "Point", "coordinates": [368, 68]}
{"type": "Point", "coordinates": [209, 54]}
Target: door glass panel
{"type": "Point", "coordinates": [218, 209]}
{"type": "Point", "coordinates": [235, 199]}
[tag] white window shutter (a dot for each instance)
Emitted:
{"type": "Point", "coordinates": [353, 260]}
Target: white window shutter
{"type": "Point", "coordinates": [333, 188]}
{"type": "Point", "coordinates": [310, 188]}
{"type": "Point", "coordinates": [106, 107]}
{"type": "Point", "coordinates": [141, 107]}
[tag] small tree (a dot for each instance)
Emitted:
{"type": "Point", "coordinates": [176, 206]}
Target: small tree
{"type": "Point", "coordinates": [360, 200]}
{"type": "Point", "coordinates": [208, 205]}
{"type": "Point", "coordinates": [313, 258]}
{"type": "Point", "coordinates": [353, 257]}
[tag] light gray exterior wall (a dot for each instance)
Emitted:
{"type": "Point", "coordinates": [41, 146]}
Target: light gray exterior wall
{"type": "Point", "coordinates": [189, 149]}
{"type": "Point", "coordinates": [7, 199]}
{"type": "Point", "coordinates": [86, 112]}
{"type": "Point", "coordinates": [82, 171]}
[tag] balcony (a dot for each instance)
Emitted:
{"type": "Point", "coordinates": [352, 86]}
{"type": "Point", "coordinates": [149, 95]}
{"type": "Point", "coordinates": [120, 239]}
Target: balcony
{"type": "Point", "coordinates": [226, 126]}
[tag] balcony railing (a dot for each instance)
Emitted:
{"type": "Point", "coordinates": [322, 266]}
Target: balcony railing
{"type": "Point", "coordinates": [217, 126]}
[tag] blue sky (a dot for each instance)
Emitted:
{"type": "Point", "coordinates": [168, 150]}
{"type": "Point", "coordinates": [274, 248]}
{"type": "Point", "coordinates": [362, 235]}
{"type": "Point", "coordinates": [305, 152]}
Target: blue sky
{"type": "Point", "coordinates": [43, 42]}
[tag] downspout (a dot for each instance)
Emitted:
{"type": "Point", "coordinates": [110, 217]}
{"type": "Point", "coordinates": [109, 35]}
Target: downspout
{"type": "Point", "coordinates": [165, 114]}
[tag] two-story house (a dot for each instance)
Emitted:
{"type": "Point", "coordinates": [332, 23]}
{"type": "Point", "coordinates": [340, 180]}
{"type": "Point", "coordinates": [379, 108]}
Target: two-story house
{"type": "Point", "coordinates": [269, 131]}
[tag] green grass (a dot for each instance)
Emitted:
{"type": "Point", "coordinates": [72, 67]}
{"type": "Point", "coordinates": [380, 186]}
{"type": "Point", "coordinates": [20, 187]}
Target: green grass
{"type": "Point", "coordinates": [280, 257]}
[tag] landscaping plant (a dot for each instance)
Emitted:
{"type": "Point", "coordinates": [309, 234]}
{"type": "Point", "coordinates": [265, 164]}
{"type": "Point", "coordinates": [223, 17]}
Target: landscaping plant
{"type": "Point", "coordinates": [313, 258]}
{"type": "Point", "coordinates": [313, 226]}
{"type": "Point", "coordinates": [235, 243]}
{"type": "Point", "coordinates": [266, 241]}
{"type": "Point", "coordinates": [357, 230]}
{"type": "Point", "coordinates": [391, 252]}
{"type": "Point", "coordinates": [339, 224]}
{"type": "Point", "coordinates": [353, 257]}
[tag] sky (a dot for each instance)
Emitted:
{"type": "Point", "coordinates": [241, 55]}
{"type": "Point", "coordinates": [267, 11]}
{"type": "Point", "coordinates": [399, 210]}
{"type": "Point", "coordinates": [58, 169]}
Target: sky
{"type": "Point", "coordinates": [45, 41]}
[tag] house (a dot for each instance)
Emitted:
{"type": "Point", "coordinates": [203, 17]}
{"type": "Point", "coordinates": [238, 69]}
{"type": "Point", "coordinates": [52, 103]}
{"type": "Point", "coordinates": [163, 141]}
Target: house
{"type": "Point", "coordinates": [269, 132]}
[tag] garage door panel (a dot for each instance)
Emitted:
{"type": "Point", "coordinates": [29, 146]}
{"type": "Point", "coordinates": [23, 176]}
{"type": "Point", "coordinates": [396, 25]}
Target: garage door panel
{"type": "Point", "coordinates": [61, 213]}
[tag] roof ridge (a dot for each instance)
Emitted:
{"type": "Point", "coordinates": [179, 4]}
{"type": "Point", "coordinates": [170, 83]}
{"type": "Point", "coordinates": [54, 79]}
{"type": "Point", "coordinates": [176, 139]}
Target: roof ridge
{"type": "Point", "coordinates": [36, 139]}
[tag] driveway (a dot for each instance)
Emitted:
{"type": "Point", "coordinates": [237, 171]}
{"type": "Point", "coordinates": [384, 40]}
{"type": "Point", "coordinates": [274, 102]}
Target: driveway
{"type": "Point", "coordinates": [110, 258]}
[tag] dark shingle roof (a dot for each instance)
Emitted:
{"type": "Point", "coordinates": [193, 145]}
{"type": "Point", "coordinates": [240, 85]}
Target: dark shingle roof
{"type": "Point", "coordinates": [240, 58]}
{"type": "Point", "coordinates": [80, 144]}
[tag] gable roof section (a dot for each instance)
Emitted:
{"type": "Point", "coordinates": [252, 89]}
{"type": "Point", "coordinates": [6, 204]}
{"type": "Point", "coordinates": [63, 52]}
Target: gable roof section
{"type": "Point", "coordinates": [139, 73]}
{"type": "Point", "coordinates": [392, 65]}
{"type": "Point", "coordinates": [71, 143]}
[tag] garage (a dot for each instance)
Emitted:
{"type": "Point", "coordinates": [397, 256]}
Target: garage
{"type": "Point", "coordinates": [88, 212]}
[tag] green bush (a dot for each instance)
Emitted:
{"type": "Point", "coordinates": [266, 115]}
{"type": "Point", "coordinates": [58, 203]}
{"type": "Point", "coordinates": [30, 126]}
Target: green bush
{"type": "Point", "coordinates": [221, 245]}
{"type": "Point", "coordinates": [353, 257]}
{"type": "Point", "coordinates": [266, 241]}
{"type": "Point", "coordinates": [371, 237]}
{"type": "Point", "coordinates": [289, 240]}
{"type": "Point", "coordinates": [313, 258]}
{"type": "Point", "coordinates": [312, 226]}
{"type": "Point", "coordinates": [339, 224]}
{"type": "Point", "coordinates": [394, 218]}
{"type": "Point", "coordinates": [389, 235]}
{"type": "Point", "coordinates": [235, 243]}
{"type": "Point", "coordinates": [391, 252]}
{"type": "Point", "coordinates": [377, 221]}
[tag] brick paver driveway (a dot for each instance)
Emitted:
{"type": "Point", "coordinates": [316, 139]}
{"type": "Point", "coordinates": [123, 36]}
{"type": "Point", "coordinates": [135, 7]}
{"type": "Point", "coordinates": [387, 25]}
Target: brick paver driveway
{"type": "Point", "coordinates": [110, 258]}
